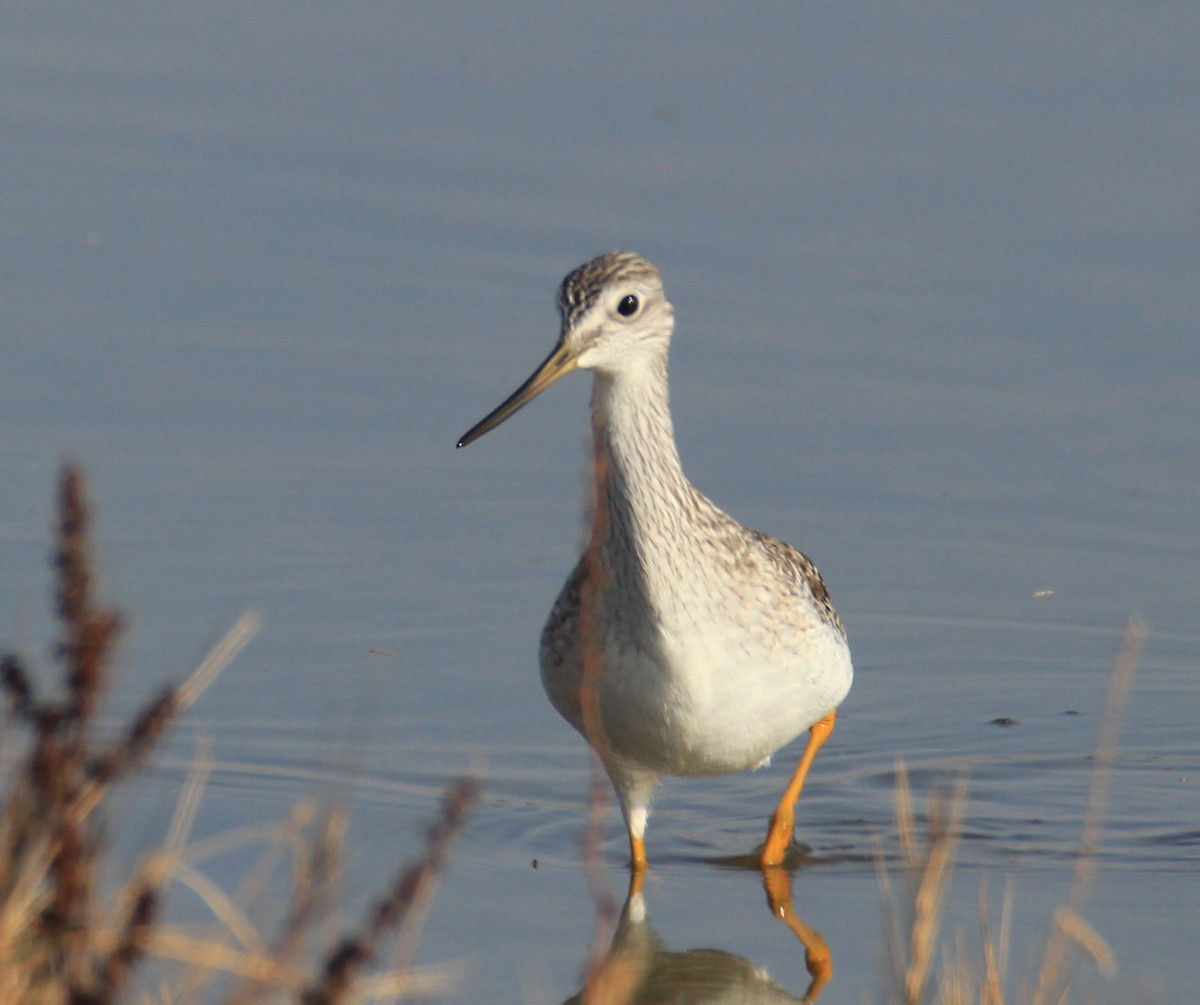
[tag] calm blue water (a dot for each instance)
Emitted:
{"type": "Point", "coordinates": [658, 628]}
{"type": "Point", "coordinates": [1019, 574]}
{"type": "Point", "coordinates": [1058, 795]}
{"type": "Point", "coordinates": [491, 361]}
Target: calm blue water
{"type": "Point", "coordinates": [935, 276]}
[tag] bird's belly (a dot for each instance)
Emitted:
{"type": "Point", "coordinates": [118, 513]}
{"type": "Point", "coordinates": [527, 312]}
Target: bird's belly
{"type": "Point", "coordinates": [702, 702]}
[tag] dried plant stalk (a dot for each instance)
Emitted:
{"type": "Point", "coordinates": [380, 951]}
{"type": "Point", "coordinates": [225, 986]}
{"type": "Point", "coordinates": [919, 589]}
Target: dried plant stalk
{"type": "Point", "coordinates": [62, 943]}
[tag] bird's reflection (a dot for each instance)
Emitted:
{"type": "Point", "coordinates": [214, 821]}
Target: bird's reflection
{"type": "Point", "coordinates": [638, 969]}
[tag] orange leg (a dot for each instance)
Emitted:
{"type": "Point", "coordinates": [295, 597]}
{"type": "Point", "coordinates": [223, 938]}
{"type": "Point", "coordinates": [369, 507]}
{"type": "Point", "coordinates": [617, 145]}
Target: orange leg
{"type": "Point", "coordinates": [637, 880]}
{"type": "Point", "coordinates": [637, 854]}
{"type": "Point", "coordinates": [783, 820]}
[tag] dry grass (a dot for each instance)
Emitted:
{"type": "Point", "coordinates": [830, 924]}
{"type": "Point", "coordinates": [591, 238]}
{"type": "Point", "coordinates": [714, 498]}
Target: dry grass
{"type": "Point", "coordinates": [914, 913]}
{"type": "Point", "coordinates": [67, 937]}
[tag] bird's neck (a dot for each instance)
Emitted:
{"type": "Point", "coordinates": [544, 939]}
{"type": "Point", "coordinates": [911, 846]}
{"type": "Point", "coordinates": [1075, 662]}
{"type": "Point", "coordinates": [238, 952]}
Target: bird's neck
{"type": "Point", "coordinates": [632, 434]}
{"type": "Point", "coordinates": [643, 504]}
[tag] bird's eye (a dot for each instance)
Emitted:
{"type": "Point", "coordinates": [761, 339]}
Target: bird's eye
{"type": "Point", "coordinates": [628, 306]}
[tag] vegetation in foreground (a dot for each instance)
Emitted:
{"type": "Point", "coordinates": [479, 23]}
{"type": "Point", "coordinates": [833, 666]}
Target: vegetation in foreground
{"type": "Point", "coordinates": [69, 934]}
{"type": "Point", "coordinates": [914, 912]}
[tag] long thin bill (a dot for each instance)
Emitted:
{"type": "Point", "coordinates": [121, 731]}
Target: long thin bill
{"type": "Point", "coordinates": [558, 364]}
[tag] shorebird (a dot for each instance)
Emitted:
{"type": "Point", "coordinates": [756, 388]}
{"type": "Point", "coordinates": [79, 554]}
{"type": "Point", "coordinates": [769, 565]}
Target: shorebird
{"type": "Point", "coordinates": [683, 643]}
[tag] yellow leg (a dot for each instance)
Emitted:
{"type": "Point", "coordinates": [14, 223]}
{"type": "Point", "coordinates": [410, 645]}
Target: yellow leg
{"type": "Point", "coordinates": [637, 853]}
{"type": "Point", "coordinates": [637, 880]}
{"type": "Point", "coordinates": [783, 820]}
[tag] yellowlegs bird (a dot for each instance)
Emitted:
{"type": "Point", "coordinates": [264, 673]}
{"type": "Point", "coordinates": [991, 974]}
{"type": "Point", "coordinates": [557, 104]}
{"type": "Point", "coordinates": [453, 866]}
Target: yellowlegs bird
{"type": "Point", "coordinates": [683, 643]}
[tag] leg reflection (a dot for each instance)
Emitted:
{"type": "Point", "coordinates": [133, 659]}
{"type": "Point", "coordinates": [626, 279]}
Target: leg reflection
{"type": "Point", "coordinates": [778, 884]}
{"type": "Point", "coordinates": [638, 967]}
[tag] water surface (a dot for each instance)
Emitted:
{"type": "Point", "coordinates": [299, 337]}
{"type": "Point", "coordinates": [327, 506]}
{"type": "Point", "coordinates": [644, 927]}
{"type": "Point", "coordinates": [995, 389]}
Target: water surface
{"type": "Point", "coordinates": [935, 280]}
